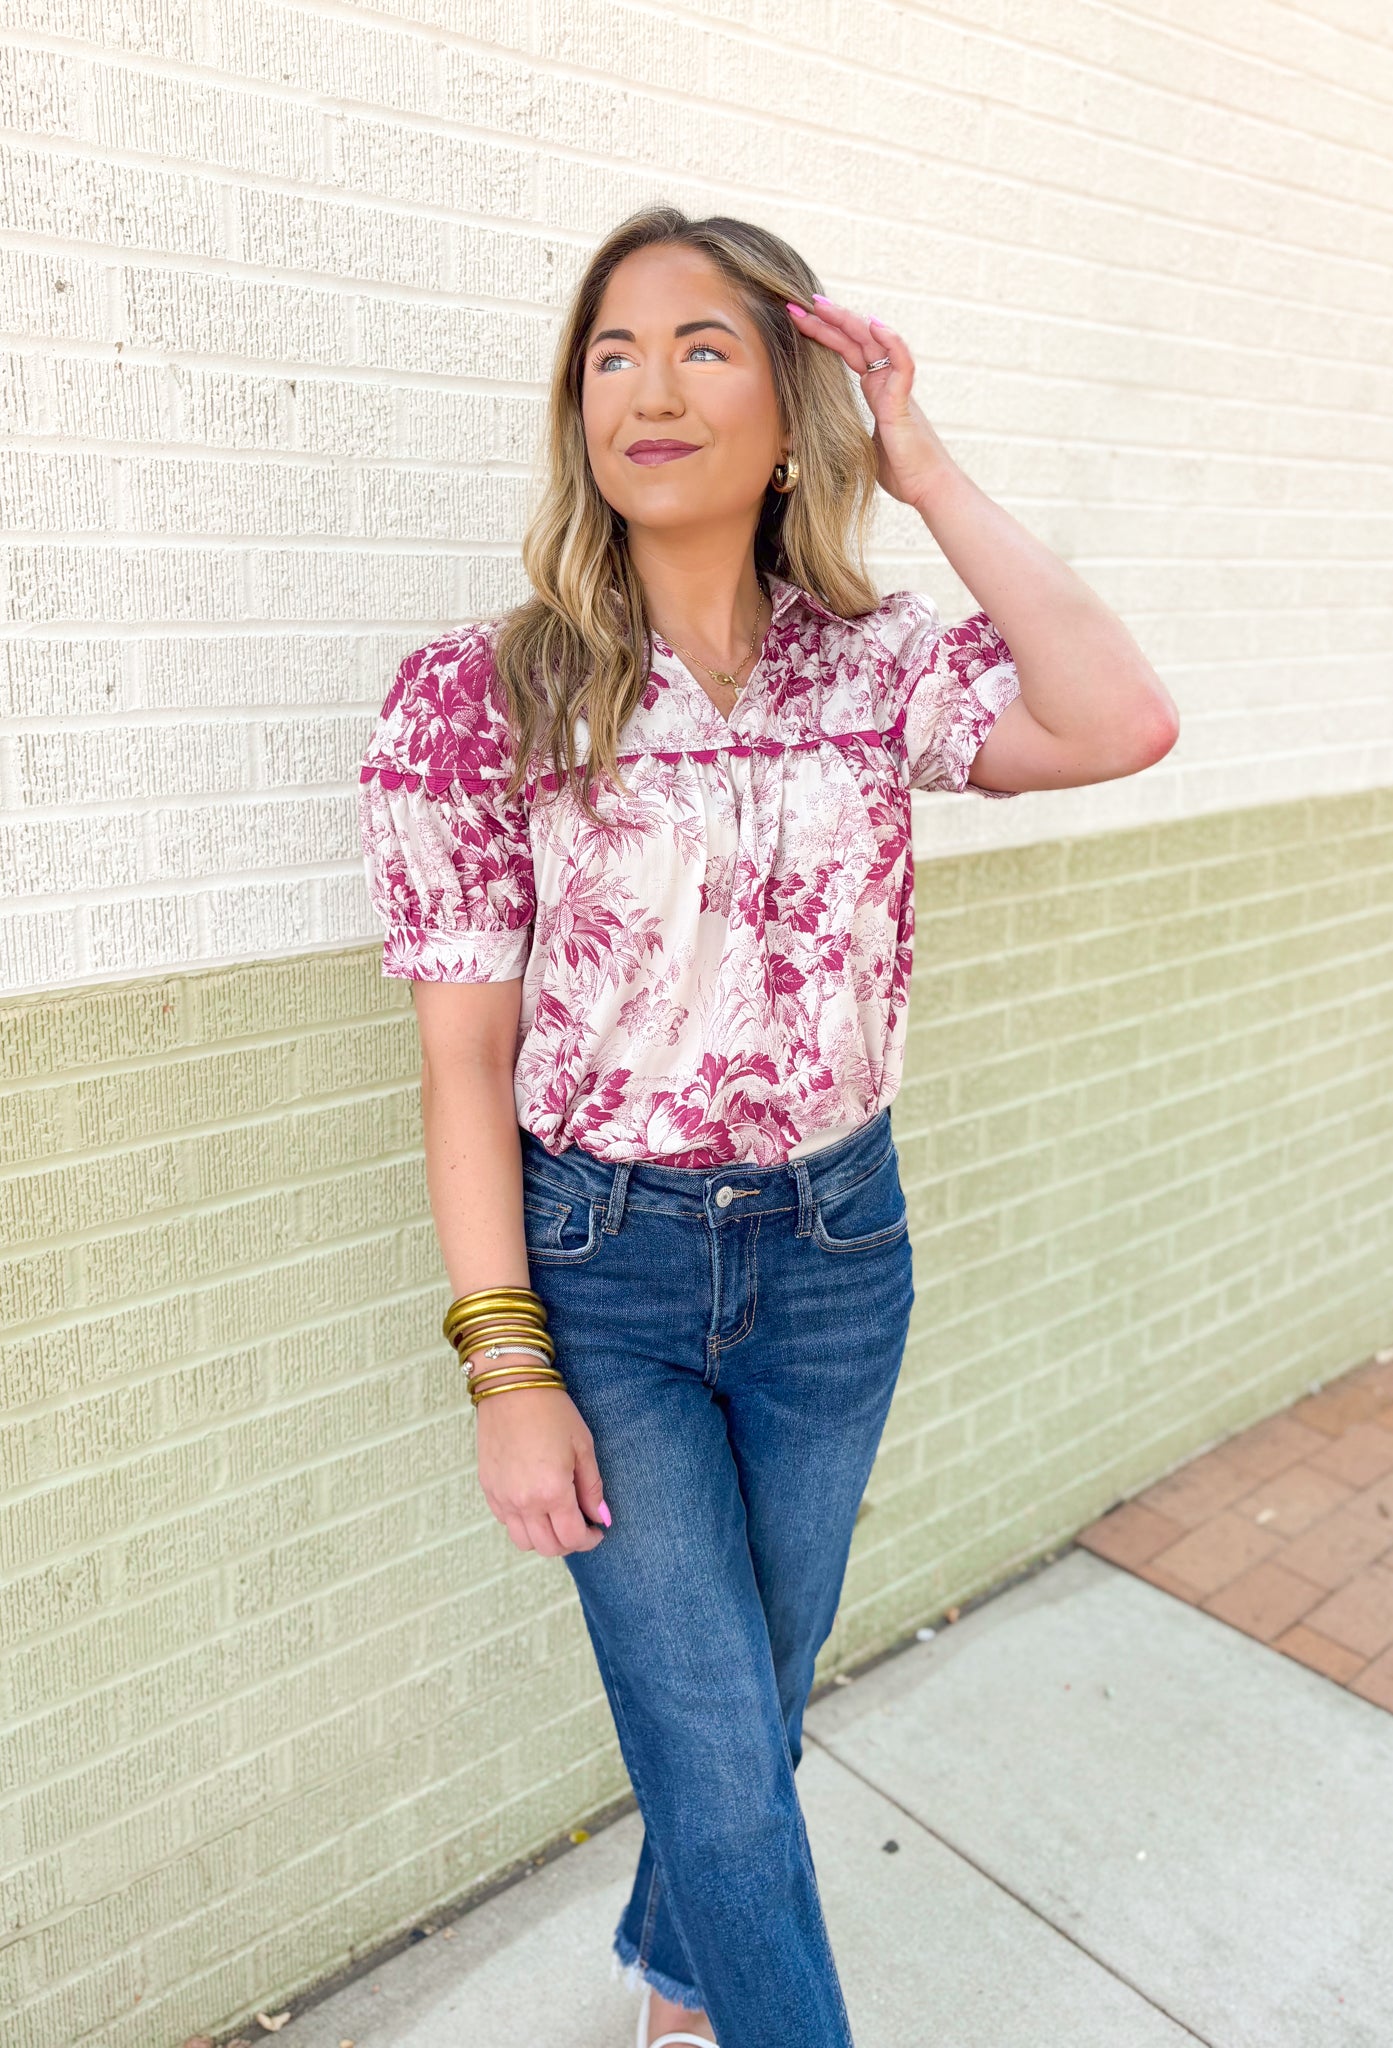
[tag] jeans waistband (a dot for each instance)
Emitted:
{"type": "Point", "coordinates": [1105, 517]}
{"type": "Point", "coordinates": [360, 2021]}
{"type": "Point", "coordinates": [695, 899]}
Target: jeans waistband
{"type": "Point", "coordinates": [721, 1194]}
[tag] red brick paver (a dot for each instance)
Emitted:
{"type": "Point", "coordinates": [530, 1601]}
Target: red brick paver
{"type": "Point", "coordinates": [1294, 1499]}
{"type": "Point", "coordinates": [1360, 1615]}
{"type": "Point", "coordinates": [1265, 1601]}
{"type": "Point", "coordinates": [1375, 1681]}
{"type": "Point", "coordinates": [1284, 1531]}
{"type": "Point", "coordinates": [1209, 1556]}
{"type": "Point", "coordinates": [1337, 1546]}
{"type": "Point", "coordinates": [1131, 1534]}
{"type": "Point", "coordinates": [1321, 1654]}
{"type": "Point", "coordinates": [1359, 1455]}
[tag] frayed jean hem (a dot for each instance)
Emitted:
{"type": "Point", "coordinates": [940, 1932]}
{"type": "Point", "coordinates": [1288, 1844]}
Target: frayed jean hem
{"type": "Point", "coordinates": [624, 1963]}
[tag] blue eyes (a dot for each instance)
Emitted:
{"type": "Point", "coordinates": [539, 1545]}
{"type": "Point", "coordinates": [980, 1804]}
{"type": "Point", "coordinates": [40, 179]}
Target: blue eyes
{"type": "Point", "coordinates": [709, 348]}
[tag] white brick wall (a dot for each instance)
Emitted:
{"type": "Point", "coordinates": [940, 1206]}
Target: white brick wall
{"type": "Point", "coordinates": [278, 287]}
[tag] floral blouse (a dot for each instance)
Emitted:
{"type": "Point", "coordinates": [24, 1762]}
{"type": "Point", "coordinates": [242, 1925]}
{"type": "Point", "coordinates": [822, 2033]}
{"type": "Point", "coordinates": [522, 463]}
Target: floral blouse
{"type": "Point", "coordinates": [719, 972]}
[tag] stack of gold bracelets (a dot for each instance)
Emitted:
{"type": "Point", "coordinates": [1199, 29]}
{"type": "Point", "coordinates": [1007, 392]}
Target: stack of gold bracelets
{"type": "Point", "coordinates": [495, 1321]}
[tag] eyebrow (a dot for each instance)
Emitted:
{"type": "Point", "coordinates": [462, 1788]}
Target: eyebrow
{"type": "Point", "coordinates": [687, 327]}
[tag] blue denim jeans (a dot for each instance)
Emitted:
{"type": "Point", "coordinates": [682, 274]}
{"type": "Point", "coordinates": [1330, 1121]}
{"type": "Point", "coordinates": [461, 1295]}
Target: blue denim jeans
{"type": "Point", "coordinates": [732, 1338]}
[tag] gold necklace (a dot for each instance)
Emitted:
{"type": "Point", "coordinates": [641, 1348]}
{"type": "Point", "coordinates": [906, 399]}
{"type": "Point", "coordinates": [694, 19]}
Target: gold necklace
{"type": "Point", "coordinates": [720, 675]}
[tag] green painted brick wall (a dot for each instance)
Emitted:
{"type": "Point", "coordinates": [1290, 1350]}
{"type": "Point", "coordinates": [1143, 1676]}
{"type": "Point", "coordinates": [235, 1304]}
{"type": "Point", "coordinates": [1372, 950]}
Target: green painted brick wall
{"type": "Point", "coordinates": [274, 1683]}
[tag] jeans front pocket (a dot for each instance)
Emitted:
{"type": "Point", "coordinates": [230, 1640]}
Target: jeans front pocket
{"type": "Point", "coordinates": [871, 1212]}
{"type": "Point", "coordinates": [556, 1231]}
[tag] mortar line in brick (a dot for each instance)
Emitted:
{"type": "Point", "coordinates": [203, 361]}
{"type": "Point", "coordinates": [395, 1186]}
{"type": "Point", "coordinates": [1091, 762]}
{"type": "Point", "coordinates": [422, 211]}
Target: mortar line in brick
{"type": "Point", "coordinates": [741, 35]}
{"type": "Point", "coordinates": [553, 151]}
{"type": "Point", "coordinates": [531, 59]}
{"type": "Point", "coordinates": [328, 286]}
{"type": "Point", "coordinates": [171, 451]}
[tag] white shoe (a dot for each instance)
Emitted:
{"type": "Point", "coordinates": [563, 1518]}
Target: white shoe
{"type": "Point", "coordinates": [665, 2040]}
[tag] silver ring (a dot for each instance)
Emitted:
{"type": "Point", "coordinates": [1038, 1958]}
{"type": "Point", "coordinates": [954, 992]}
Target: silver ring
{"type": "Point", "coordinates": [880, 363]}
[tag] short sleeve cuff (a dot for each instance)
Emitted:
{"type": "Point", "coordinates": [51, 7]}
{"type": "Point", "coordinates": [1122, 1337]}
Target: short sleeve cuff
{"type": "Point", "coordinates": [416, 955]}
{"type": "Point", "coordinates": [984, 666]}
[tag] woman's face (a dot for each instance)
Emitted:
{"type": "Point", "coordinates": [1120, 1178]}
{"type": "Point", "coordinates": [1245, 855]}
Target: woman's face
{"type": "Point", "coordinates": [674, 359]}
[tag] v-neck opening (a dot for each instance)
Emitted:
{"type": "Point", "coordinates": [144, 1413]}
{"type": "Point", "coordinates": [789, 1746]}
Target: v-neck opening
{"type": "Point", "coordinates": [722, 718]}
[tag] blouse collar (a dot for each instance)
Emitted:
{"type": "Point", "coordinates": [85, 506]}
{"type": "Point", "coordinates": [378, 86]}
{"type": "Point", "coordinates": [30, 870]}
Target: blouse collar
{"type": "Point", "coordinates": [783, 594]}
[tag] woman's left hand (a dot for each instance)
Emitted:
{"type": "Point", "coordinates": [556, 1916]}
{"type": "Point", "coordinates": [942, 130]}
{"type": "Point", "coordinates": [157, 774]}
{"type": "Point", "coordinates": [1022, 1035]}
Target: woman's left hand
{"type": "Point", "coordinates": [908, 453]}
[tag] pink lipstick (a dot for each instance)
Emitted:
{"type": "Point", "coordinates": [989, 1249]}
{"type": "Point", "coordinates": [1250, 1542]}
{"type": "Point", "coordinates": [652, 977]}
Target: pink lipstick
{"type": "Point", "coordinates": [650, 453]}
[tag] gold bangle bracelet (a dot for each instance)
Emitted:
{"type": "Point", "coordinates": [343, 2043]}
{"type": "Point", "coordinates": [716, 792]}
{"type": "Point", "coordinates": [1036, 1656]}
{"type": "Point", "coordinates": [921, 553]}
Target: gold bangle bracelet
{"type": "Point", "coordinates": [499, 1319]}
{"type": "Point", "coordinates": [527, 1379]}
{"type": "Point", "coordinates": [514, 1296]}
{"type": "Point", "coordinates": [485, 1316]}
{"type": "Point", "coordinates": [485, 1393]}
{"type": "Point", "coordinates": [476, 1340]}
{"type": "Point", "coordinates": [461, 1311]}
{"type": "Point", "coordinates": [475, 1363]}
{"type": "Point", "coordinates": [499, 1372]}
{"type": "Point", "coordinates": [475, 1334]}
{"type": "Point", "coordinates": [513, 1364]}
{"type": "Point", "coordinates": [517, 1379]}
{"type": "Point", "coordinates": [498, 1322]}
{"type": "Point", "coordinates": [493, 1315]}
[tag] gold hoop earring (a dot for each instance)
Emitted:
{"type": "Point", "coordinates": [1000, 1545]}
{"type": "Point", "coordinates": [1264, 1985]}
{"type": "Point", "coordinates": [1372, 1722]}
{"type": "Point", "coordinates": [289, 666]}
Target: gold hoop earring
{"type": "Point", "coordinates": [789, 472]}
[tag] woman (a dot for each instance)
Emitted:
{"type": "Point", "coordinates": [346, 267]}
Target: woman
{"type": "Point", "coordinates": [643, 848]}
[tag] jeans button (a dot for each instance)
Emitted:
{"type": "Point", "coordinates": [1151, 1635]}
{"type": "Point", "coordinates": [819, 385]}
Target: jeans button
{"type": "Point", "coordinates": [724, 1197]}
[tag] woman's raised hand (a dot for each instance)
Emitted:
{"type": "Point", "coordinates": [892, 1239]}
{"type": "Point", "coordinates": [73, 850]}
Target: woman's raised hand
{"type": "Point", "coordinates": [908, 453]}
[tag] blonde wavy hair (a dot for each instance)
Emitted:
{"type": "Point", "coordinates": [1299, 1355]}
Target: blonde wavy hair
{"type": "Point", "coordinates": [579, 646]}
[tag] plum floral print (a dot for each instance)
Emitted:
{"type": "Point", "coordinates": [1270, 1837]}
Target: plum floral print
{"type": "Point", "coordinates": [720, 969]}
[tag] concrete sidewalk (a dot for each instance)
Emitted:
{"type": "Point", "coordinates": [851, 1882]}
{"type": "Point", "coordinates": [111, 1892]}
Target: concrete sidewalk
{"type": "Point", "coordinates": [1086, 1816]}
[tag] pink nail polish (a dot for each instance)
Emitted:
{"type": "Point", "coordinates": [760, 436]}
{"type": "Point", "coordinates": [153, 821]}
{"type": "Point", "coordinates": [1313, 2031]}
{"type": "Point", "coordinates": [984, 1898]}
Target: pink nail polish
{"type": "Point", "coordinates": [821, 299]}
{"type": "Point", "coordinates": [797, 311]}
{"type": "Point", "coordinates": [603, 1512]}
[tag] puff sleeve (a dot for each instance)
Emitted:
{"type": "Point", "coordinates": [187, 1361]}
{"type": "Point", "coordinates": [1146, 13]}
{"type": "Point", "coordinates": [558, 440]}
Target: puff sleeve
{"type": "Point", "coordinates": [447, 858]}
{"type": "Point", "coordinates": [944, 688]}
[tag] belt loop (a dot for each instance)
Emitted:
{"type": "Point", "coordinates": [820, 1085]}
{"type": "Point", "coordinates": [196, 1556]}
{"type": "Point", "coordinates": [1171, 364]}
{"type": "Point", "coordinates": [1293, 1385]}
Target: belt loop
{"type": "Point", "coordinates": [805, 1197]}
{"type": "Point", "coordinates": [614, 1214]}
